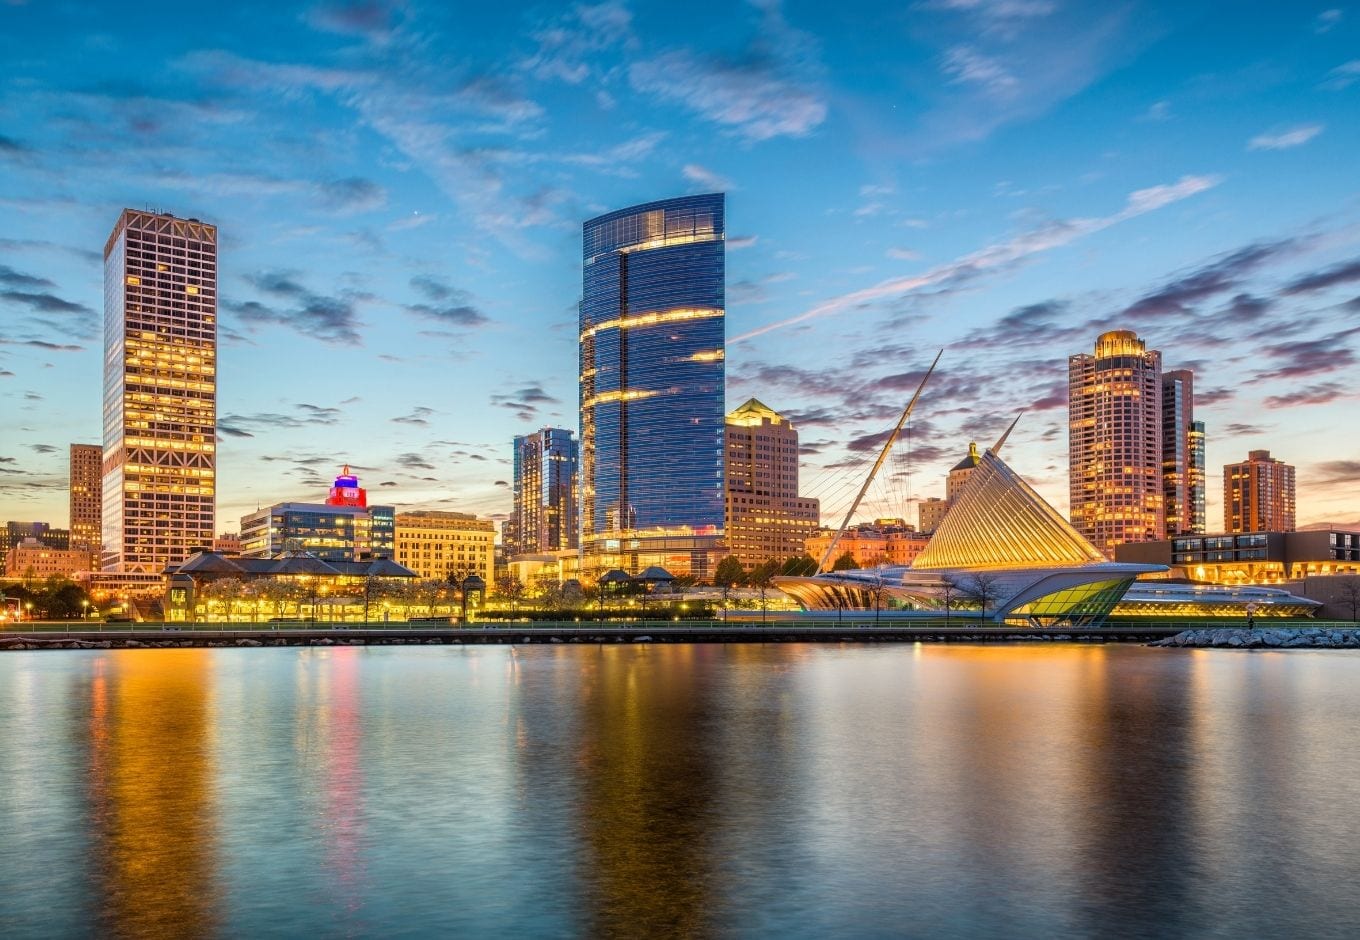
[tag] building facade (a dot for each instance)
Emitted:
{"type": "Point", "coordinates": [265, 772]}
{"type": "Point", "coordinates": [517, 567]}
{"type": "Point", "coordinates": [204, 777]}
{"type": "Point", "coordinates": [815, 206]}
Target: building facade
{"type": "Point", "coordinates": [930, 513]}
{"type": "Point", "coordinates": [160, 391]}
{"type": "Point", "coordinates": [1115, 442]}
{"type": "Point", "coordinates": [15, 533]}
{"type": "Point", "coordinates": [437, 544]}
{"type": "Point", "coordinates": [765, 519]}
{"type": "Point", "coordinates": [882, 542]}
{"type": "Point", "coordinates": [32, 560]}
{"type": "Point", "coordinates": [1182, 455]}
{"type": "Point", "coordinates": [86, 496]}
{"type": "Point", "coordinates": [1271, 558]}
{"type": "Point", "coordinates": [1258, 494]}
{"type": "Point", "coordinates": [343, 528]}
{"type": "Point", "coordinates": [651, 387]}
{"type": "Point", "coordinates": [544, 517]}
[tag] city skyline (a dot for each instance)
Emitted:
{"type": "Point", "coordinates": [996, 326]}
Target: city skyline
{"type": "Point", "coordinates": [934, 196]}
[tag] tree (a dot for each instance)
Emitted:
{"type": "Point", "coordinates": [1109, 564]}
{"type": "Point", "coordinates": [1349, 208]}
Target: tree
{"type": "Point", "coordinates": [982, 588]}
{"type": "Point", "coordinates": [1349, 596]}
{"type": "Point", "coordinates": [878, 585]}
{"type": "Point", "coordinates": [949, 588]}
{"type": "Point", "coordinates": [762, 577]}
{"type": "Point", "coordinates": [800, 566]}
{"type": "Point", "coordinates": [510, 587]}
{"type": "Point", "coordinates": [728, 575]}
{"type": "Point", "coordinates": [845, 563]}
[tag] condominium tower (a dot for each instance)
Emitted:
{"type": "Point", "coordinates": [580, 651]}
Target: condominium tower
{"type": "Point", "coordinates": [766, 520]}
{"type": "Point", "coordinates": [544, 518]}
{"type": "Point", "coordinates": [160, 391]}
{"type": "Point", "coordinates": [1182, 455]}
{"type": "Point", "coordinates": [1115, 441]}
{"type": "Point", "coordinates": [1258, 494]}
{"type": "Point", "coordinates": [86, 495]}
{"type": "Point", "coordinates": [651, 374]}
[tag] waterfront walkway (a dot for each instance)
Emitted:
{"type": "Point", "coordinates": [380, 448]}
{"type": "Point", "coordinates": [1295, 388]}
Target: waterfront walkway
{"type": "Point", "coordinates": [119, 636]}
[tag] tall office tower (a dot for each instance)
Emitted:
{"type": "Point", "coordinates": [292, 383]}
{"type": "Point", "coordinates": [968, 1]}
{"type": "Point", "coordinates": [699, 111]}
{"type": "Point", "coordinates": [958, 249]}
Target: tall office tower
{"type": "Point", "coordinates": [86, 494]}
{"type": "Point", "coordinates": [766, 519]}
{"type": "Point", "coordinates": [544, 516]}
{"type": "Point", "coordinates": [1182, 455]}
{"type": "Point", "coordinates": [1199, 478]}
{"type": "Point", "coordinates": [160, 391]}
{"type": "Point", "coordinates": [1114, 426]}
{"type": "Point", "coordinates": [1258, 494]}
{"type": "Point", "coordinates": [651, 356]}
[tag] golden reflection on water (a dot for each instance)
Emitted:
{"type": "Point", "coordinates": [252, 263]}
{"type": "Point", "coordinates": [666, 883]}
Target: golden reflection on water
{"type": "Point", "coordinates": [150, 791]}
{"type": "Point", "coordinates": [647, 778]}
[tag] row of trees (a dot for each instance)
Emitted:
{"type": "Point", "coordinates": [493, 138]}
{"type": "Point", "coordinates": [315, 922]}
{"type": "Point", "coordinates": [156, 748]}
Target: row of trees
{"type": "Point", "coordinates": [56, 598]}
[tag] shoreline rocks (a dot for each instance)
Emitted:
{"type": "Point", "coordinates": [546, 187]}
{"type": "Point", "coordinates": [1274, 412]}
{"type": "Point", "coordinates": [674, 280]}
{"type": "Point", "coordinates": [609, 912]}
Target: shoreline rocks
{"type": "Point", "coordinates": [1265, 638]}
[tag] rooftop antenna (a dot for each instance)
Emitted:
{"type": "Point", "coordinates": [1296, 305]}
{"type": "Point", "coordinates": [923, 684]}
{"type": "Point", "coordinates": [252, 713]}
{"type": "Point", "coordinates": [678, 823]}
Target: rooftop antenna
{"type": "Point", "coordinates": [883, 455]}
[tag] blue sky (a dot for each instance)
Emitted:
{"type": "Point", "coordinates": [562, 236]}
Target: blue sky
{"type": "Point", "coordinates": [400, 188]}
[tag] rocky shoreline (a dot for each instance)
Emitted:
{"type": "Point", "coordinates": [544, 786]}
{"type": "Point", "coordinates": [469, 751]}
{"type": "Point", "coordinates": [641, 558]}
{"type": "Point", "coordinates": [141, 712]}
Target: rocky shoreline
{"type": "Point", "coordinates": [1266, 638]}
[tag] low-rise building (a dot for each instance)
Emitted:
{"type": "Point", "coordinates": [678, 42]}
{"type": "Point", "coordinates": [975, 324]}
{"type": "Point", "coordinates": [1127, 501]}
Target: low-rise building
{"type": "Point", "coordinates": [765, 518]}
{"type": "Point", "coordinates": [344, 528]}
{"type": "Point", "coordinates": [435, 544]}
{"type": "Point", "coordinates": [31, 559]}
{"type": "Point", "coordinates": [882, 542]}
{"type": "Point", "coordinates": [1251, 557]}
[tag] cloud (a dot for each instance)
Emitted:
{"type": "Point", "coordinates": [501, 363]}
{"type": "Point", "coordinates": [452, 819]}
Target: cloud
{"type": "Point", "coordinates": [966, 66]}
{"type": "Point", "coordinates": [1337, 471]}
{"type": "Point", "coordinates": [9, 147]}
{"type": "Point", "coordinates": [768, 91]}
{"type": "Point", "coordinates": [1327, 20]}
{"type": "Point", "coordinates": [1218, 276]}
{"type": "Point", "coordinates": [903, 254]}
{"type": "Point", "coordinates": [361, 18]}
{"type": "Point", "coordinates": [42, 344]}
{"type": "Point", "coordinates": [331, 320]}
{"type": "Point", "coordinates": [42, 448]}
{"type": "Point", "coordinates": [524, 402]}
{"type": "Point", "coordinates": [1321, 394]}
{"type": "Point", "coordinates": [1343, 76]}
{"type": "Point", "coordinates": [707, 178]}
{"type": "Point", "coordinates": [738, 242]}
{"type": "Point", "coordinates": [352, 194]}
{"type": "Point", "coordinates": [1001, 255]}
{"type": "Point", "coordinates": [12, 278]}
{"type": "Point", "coordinates": [1240, 429]}
{"type": "Point", "coordinates": [1305, 358]}
{"type": "Point", "coordinates": [1283, 140]}
{"type": "Point", "coordinates": [568, 43]}
{"type": "Point", "coordinates": [419, 416]}
{"type": "Point", "coordinates": [45, 302]}
{"type": "Point", "coordinates": [1343, 273]}
{"type": "Point", "coordinates": [448, 304]}
{"type": "Point", "coordinates": [309, 416]}
{"type": "Point", "coordinates": [415, 462]}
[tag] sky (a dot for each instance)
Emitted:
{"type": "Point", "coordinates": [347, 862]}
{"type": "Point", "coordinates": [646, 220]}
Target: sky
{"type": "Point", "coordinates": [399, 190]}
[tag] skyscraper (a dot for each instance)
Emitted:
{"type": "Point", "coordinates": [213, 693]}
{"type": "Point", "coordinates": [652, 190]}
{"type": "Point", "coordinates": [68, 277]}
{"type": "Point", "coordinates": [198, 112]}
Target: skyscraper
{"type": "Point", "coordinates": [651, 357]}
{"type": "Point", "coordinates": [160, 391]}
{"type": "Point", "coordinates": [1182, 455]}
{"type": "Point", "coordinates": [1115, 441]}
{"type": "Point", "coordinates": [1258, 494]}
{"type": "Point", "coordinates": [544, 517]}
{"type": "Point", "coordinates": [86, 494]}
{"type": "Point", "coordinates": [766, 519]}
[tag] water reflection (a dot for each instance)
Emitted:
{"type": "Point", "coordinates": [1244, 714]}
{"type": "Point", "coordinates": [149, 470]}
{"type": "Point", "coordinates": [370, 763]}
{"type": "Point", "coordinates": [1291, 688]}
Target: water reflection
{"type": "Point", "coordinates": [647, 765]}
{"type": "Point", "coordinates": [680, 790]}
{"type": "Point", "coordinates": [150, 785]}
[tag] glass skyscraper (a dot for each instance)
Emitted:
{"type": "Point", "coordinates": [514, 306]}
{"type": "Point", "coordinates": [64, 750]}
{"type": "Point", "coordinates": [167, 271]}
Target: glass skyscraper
{"type": "Point", "coordinates": [652, 374]}
{"type": "Point", "coordinates": [544, 516]}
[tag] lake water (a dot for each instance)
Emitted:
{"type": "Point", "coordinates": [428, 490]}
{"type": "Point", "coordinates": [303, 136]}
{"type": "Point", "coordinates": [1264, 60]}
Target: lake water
{"type": "Point", "coordinates": [792, 790]}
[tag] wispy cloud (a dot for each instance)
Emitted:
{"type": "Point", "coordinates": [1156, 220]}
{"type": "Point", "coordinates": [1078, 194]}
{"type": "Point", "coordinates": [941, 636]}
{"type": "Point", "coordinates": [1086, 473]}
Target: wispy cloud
{"type": "Point", "coordinates": [1327, 20]}
{"type": "Point", "coordinates": [770, 90]}
{"type": "Point", "coordinates": [1000, 255]}
{"type": "Point", "coordinates": [706, 178]}
{"type": "Point", "coordinates": [1343, 76]}
{"type": "Point", "coordinates": [1284, 140]}
{"type": "Point", "coordinates": [330, 319]}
